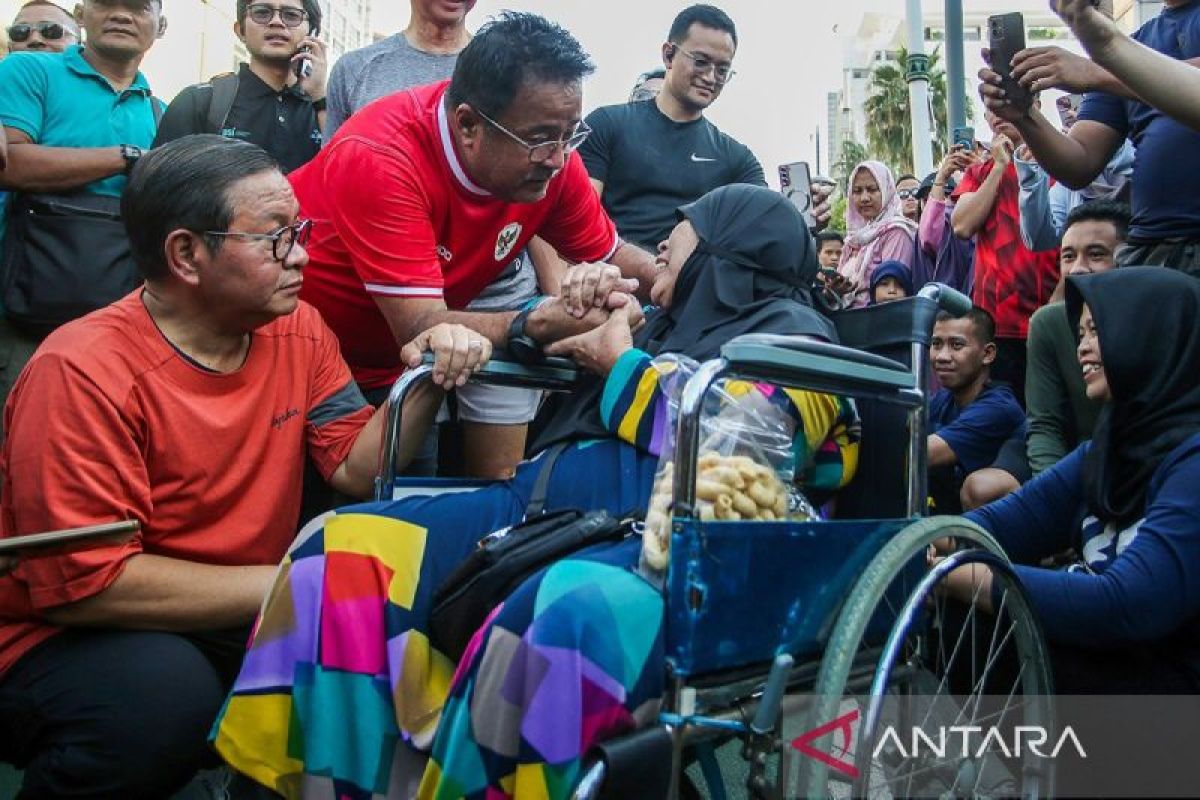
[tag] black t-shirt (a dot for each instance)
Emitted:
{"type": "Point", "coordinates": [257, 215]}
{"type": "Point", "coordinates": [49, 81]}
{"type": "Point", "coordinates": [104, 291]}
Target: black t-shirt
{"type": "Point", "coordinates": [650, 165]}
{"type": "Point", "coordinates": [282, 123]}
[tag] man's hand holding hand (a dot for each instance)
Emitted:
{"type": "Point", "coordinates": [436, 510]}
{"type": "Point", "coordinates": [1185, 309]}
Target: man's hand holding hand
{"type": "Point", "coordinates": [598, 349]}
{"type": "Point", "coordinates": [593, 285]}
{"type": "Point", "coordinates": [458, 353]}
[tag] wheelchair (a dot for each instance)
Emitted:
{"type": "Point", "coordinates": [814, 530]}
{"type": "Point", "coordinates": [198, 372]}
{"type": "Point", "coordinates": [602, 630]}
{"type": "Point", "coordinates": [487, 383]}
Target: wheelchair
{"type": "Point", "coordinates": [803, 657]}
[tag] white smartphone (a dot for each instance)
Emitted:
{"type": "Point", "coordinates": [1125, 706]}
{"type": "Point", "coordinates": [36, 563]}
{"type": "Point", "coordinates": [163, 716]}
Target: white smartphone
{"type": "Point", "coordinates": [795, 182]}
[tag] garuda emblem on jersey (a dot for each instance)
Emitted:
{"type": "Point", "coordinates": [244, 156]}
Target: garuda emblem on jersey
{"type": "Point", "coordinates": [507, 239]}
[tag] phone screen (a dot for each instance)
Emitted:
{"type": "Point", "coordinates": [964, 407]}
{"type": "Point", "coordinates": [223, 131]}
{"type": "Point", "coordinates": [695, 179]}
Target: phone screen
{"type": "Point", "coordinates": [795, 182]}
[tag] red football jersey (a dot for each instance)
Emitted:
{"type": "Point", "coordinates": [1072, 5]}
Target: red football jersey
{"type": "Point", "coordinates": [396, 214]}
{"type": "Point", "coordinates": [1011, 281]}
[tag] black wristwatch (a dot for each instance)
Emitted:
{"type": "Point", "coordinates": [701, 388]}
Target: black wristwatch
{"type": "Point", "coordinates": [318, 105]}
{"type": "Point", "coordinates": [131, 153]}
{"type": "Point", "coordinates": [523, 348]}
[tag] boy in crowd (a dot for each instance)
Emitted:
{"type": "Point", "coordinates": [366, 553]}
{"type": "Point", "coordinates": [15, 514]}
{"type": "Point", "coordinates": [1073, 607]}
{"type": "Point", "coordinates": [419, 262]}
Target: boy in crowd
{"type": "Point", "coordinates": [970, 418]}
{"type": "Point", "coordinates": [829, 248]}
{"type": "Point", "coordinates": [892, 280]}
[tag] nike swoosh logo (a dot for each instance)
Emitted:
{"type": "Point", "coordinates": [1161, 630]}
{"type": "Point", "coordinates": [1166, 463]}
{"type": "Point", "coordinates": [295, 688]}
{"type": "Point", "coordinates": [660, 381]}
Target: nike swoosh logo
{"type": "Point", "coordinates": [701, 158]}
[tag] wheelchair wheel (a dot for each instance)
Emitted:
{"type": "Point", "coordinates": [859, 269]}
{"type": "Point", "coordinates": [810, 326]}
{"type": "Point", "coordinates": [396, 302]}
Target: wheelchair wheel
{"type": "Point", "coordinates": [902, 658]}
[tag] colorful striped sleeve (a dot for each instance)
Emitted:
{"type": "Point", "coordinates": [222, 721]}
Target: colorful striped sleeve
{"type": "Point", "coordinates": [633, 406]}
{"type": "Point", "coordinates": [826, 442]}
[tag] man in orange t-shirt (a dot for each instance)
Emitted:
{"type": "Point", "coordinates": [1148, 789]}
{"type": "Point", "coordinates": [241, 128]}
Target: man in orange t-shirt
{"type": "Point", "coordinates": [189, 406]}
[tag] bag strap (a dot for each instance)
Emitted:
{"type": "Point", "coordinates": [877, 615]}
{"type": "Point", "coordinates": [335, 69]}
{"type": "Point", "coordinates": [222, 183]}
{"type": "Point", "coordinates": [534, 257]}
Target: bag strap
{"type": "Point", "coordinates": [156, 108]}
{"type": "Point", "coordinates": [220, 100]}
{"type": "Point", "coordinates": [537, 498]}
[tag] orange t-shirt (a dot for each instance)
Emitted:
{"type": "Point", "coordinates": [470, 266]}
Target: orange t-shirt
{"type": "Point", "coordinates": [109, 421]}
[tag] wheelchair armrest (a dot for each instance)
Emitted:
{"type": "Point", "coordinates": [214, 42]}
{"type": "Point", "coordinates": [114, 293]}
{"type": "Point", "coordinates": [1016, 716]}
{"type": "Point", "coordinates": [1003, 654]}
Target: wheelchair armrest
{"type": "Point", "coordinates": [551, 374]}
{"type": "Point", "coordinates": [800, 361]}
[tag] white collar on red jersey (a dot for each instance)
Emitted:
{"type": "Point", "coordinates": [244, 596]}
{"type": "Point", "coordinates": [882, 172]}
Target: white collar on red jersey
{"type": "Point", "coordinates": [456, 166]}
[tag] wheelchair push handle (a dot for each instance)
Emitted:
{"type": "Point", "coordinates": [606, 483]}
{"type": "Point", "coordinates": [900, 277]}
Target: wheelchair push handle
{"type": "Point", "coordinates": [948, 299]}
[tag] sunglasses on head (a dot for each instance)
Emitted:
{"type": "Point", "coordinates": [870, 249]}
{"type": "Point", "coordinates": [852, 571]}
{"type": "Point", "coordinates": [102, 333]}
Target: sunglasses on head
{"type": "Point", "coordinates": [47, 30]}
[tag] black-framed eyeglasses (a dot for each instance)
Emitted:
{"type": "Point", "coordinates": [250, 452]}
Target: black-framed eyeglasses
{"type": "Point", "coordinates": [906, 194]}
{"type": "Point", "coordinates": [263, 13]}
{"type": "Point", "coordinates": [722, 73]}
{"type": "Point", "coordinates": [282, 239]}
{"type": "Point", "coordinates": [50, 31]}
{"type": "Point", "coordinates": [543, 151]}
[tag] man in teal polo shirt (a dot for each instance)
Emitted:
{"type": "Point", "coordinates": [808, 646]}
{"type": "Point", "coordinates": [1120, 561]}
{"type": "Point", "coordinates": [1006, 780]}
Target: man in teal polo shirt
{"type": "Point", "coordinates": [77, 121]}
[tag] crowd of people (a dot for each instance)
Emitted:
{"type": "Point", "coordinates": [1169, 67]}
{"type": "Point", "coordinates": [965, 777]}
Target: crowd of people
{"type": "Point", "coordinates": [204, 304]}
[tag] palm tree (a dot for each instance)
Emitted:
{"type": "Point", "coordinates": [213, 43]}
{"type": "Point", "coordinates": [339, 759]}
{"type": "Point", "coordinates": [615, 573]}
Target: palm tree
{"type": "Point", "coordinates": [851, 155]}
{"type": "Point", "coordinates": [889, 121]}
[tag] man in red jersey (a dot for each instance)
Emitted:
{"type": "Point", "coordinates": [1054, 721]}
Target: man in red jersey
{"type": "Point", "coordinates": [423, 197]}
{"type": "Point", "coordinates": [188, 405]}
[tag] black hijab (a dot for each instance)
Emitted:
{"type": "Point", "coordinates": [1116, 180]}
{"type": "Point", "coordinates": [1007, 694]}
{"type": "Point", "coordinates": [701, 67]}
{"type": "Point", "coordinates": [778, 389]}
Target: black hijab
{"type": "Point", "coordinates": [1146, 323]}
{"type": "Point", "coordinates": [750, 273]}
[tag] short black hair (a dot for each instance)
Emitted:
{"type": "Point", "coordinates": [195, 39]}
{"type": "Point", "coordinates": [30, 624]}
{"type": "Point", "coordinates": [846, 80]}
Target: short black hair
{"type": "Point", "coordinates": [651, 74]}
{"type": "Point", "coordinates": [829, 236]}
{"type": "Point", "coordinates": [185, 184]}
{"type": "Point", "coordinates": [706, 15]}
{"type": "Point", "coordinates": [510, 50]}
{"type": "Point", "coordinates": [908, 176]}
{"type": "Point", "coordinates": [311, 7]}
{"type": "Point", "coordinates": [1113, 211]}
{"type": "Point", "coordinates": [982, 323]}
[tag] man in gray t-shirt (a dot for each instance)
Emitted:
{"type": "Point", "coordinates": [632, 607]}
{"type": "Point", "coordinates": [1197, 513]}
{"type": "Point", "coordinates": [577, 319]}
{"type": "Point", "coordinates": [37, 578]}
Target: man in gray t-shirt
{"type": "Point", "coordinates": [371, 72]}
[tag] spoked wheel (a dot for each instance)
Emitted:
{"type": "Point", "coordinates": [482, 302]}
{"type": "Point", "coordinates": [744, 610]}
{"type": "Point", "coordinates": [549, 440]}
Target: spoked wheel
{"type": "Point", "coordinates": [931, 689]}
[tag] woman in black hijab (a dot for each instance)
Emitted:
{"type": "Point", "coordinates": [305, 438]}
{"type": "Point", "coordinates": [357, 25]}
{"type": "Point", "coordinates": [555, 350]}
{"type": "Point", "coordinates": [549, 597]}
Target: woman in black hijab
{"type": "Point", "coordinates": [1125, 618]}
{"type": "Point", "coordinates": [740, 261]}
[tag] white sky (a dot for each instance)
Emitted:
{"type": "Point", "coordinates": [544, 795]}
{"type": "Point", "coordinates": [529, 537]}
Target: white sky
{"type": "Point", "coordinates": [788, 59]}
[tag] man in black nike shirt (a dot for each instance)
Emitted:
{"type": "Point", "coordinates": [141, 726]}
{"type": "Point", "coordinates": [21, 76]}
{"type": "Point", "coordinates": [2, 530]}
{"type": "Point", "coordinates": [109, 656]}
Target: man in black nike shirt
{"type": "Point", "coordinates": [648, 158]}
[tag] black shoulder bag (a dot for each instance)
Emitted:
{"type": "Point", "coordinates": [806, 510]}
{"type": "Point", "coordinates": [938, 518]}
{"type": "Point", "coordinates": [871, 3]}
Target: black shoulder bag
{"type": "Point", "coordinates": [64, 256]}
{"type": "Point", "coordinates": [504, 559]}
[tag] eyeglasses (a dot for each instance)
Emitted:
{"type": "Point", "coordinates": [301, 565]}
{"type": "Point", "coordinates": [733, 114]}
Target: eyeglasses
{"type": "Point", "coordinates": [543, 151]}
{"type": "Point", "coordinates": [906, 194]}
{"type": "Point", "coordinates": [51, 31]}
{"type": "Point", "coordinates": [289, 16]}
{"type": "Point", "coordinates": [286, 237]}
{"type": "Point", "coordinates": [722, 73]}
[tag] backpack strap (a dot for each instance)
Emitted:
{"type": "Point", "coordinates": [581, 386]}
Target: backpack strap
{"type": "Point", "coordinates": [156, 108]}
{"type": "Point", "coordinates": [220, 100]}
{"type": "Point", "coordinates": [537, 498]}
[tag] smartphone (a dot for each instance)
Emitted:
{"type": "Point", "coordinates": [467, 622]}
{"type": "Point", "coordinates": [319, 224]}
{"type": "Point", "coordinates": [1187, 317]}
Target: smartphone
{"type": "Point", "coordinates": [36, 544]}
{"type": "Point", "coordinates": [1006, 38]}
{"type": "Point", "coordinates": [1068, 108]}
{"type": "Point", "coordinates": [964, 137]}
{"type": "Point", "coordinates": [303, 66]}
{"type": "Point", "coordinates": [795, 182]}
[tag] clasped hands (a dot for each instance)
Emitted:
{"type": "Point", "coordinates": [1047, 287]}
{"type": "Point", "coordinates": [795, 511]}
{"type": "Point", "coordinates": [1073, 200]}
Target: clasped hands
{"type": "Point", "coordinates": [592, 320]}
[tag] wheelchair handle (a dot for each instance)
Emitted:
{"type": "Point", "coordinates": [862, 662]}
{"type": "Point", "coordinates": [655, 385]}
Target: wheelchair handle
{"type": "Point", "coordinates": [948, 299]}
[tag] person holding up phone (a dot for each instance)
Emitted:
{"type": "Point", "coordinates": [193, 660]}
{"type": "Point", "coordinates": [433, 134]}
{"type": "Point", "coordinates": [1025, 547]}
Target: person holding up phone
{"type": "Point", "coordinates": [277, 101]}
{"type": "Point", "coordinates": [1011, 281]}
{"type": "Point", "coordinates": [1166, 208]}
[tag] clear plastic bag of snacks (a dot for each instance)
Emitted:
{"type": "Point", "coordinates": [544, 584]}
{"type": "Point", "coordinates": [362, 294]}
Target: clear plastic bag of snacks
{"type": "Point", "coordinates": [746, 464]}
